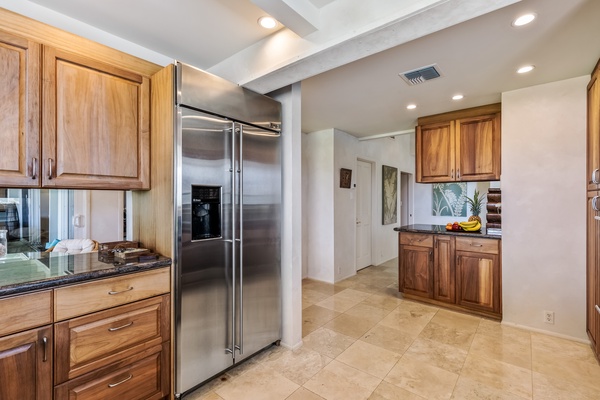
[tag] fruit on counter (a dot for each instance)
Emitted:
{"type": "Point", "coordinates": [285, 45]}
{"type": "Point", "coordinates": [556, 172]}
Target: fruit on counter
{"type": "Point", "coordinates": [456, 226]}
{"type": "Point", "coordinates": [449, 226]}
{"type": "Point", "coordinates": [471, 226]}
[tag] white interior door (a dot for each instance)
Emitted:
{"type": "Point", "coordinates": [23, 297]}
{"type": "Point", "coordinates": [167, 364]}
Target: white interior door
{"type": "Point", "coordinates": [364, 190]}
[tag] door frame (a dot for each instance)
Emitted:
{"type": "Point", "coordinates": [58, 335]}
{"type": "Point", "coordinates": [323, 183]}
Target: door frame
{"type": "Point", "coordinates": [373, 207]}
{"type": "Point", "coordinates": [407, 182]}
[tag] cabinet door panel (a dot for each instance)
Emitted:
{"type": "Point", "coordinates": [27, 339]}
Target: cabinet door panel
{"type": "Point", "coordinates": [417, 270]}
{"type": "Point", "coordinates": [478, 148]}
{"type": "Point", "coordinates": [26, 365]}
{"type": "Point", "coordinates": [478, 281]}
{"type": "Point", "coordinates": [593, 134]}
{"type": "Point", "coordinates": [592, 270]}
{"type": "Point", "coordinates": [95, 124]}
{"type": "Point", "coordinates": [19, 111]}
{"type": "Point", "coordinates": [444, 273]}
{"type": "Point", "coordinates": [435, 152]}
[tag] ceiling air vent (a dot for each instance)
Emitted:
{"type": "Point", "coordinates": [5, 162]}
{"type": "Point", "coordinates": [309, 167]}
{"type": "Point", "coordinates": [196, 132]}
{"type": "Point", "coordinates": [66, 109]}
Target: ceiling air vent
{"type": "Point", "coordinates": [421, 75]}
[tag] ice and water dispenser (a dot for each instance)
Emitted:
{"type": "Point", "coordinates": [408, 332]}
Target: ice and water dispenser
{"type": "Point", "coordinates": [206, 212]}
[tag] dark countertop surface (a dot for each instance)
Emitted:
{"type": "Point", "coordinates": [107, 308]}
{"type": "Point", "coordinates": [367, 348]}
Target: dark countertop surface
{"type": "Point", "coordinates": [25, 272]}
{"type": "Point", "coordinates": [441, 230]}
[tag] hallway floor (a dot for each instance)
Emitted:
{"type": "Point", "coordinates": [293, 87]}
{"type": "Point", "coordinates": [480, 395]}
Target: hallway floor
{"type": "Point", "coordinates": [361, 341]}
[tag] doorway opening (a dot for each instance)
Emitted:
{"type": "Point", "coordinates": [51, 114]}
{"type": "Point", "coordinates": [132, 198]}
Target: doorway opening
{"type": "Point", "coordinates": [364, 213]}
{"type": "Point", "coordinates": [406, 190]}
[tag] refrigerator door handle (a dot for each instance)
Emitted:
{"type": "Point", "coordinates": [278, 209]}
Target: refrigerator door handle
{"type": "Point", "coordinates": [233, 240]}
{"type": "Point", "coordinates": [240, 346]}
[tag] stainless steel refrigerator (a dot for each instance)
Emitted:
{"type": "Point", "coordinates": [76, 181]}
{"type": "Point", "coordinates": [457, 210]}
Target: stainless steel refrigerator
{"type": "Point", "coordinates": [228, 204]}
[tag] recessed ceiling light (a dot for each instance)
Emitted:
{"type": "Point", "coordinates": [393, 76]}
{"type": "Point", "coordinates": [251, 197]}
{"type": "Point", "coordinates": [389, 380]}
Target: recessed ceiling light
{"type": "Point", "coordinates": [524, 19]}
{"type": "Point", "coordinates": [411, 106]}
{"type": "Point", "coordinates": [526, 68]}
{"type": "Point", "coordinates": [457, 97]}
{"type": "Point", "coordinates": [267, 22]}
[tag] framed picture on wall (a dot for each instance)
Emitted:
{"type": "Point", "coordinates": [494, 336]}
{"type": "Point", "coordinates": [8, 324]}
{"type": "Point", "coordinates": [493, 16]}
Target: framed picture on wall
{"type": "Point", "coordinates": [345, 178]}
{"type": "Point", "coordinates": [389, 196]}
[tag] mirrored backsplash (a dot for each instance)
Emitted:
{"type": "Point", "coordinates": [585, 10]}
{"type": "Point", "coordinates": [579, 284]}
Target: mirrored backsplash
{"type": "Point", "coordinates": [35, 218]}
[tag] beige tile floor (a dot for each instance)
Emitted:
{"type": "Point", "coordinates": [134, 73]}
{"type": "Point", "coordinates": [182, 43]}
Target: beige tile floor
{"type": "Point", "coordinates": [362, 341]}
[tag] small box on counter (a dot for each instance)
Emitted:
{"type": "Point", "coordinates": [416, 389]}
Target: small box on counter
{"type": "Point", "coordinates": [124, 256]}
{"type": "Point", "coordinates": [106, 251]}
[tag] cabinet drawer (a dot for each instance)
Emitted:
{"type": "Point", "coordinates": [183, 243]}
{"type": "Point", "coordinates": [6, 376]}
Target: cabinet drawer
{"type": "Point", "coordinates": [76, 300]}
{"type": "Point", "coordinates": [477, 245]}
{"type": "Point", "coordinates": [416, 239]}
{"type": "Point", "coordinates": [142, 376]}
{"type": "Point", "coordinates": [26, 311]}
{"type": "Point", "coordinates": [87, 343]}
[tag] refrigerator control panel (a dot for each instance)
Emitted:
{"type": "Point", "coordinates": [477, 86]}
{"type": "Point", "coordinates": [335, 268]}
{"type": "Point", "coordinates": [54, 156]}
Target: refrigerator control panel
{"type": "Point", "coordinates": [206, 212]}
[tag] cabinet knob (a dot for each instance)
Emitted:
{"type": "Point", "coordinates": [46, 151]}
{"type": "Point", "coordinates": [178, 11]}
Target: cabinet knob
{"type": "Point", "coordinates": [595, 203]}
{"type": "Point", "coordinates": [595, 176]}
{"type": "Point", "coordinates": [50, 162]}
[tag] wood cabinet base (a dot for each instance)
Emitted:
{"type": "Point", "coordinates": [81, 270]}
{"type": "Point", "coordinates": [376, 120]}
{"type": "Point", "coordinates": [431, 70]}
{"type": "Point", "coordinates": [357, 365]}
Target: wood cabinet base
{"type": "Point", "coordinates": [454, 307]}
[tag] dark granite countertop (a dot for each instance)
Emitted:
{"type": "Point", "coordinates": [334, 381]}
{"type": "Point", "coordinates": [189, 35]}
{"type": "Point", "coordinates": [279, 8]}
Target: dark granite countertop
{"type": "Point", "coordinates": [35, 271]}
{"type": "Point", "coordinates": [441, 230]}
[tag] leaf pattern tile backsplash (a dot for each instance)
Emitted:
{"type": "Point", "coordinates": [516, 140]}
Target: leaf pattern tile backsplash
{"type": "Point", "coordinates": [449, 199]}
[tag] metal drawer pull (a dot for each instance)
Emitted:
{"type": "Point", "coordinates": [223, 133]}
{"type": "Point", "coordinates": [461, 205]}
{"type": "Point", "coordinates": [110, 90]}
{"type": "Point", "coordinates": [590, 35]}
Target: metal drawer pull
{"type": "Point", "coordinates": [120, 327]}
{"type": "Point", "coordinates": [34, 168]}
{"type": "Point", "coordinates": [597, 308]}
{"type": "Point", "coordinates": [45, 342]}
{"type": "Point", "coordinates": [476, 245]}
{"type": "Point", "coordinates": [112, 292]}
{"type": "Point", "coordinates": [112, 385]}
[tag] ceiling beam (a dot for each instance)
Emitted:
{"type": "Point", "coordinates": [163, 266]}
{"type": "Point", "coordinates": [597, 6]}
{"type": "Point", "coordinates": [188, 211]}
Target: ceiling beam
{"type": "Point", "coordinates": [299, 16]}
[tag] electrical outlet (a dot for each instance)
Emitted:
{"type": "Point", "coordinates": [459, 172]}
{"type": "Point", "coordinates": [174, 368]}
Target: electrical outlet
{"type": "Point", "coordinates": [549, 317]}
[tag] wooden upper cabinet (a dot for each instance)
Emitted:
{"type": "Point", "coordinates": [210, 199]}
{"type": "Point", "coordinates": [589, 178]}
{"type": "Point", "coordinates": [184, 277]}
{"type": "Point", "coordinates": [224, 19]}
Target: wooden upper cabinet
{"type": "Point", "coordinates": [459, 146]}
{"type": "Point", "coordinates": [19, 111]}
{"type": "Point", "coordinates": [478, 148]}
{"type": "Point", "coordinates": [435, 147]}
{"type": "Point", "coordinates": [96, 124]}
{"type": "Point", "coordinates": [593, 132]}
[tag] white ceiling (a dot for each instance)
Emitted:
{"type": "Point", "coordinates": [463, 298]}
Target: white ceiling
{"type": "Point", "coordinates": [348, 53]}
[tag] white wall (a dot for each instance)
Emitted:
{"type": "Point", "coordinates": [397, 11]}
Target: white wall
{"type": "Point", "coordinates": [319, 206]}
{"type": "Point", "coordinates": [330, 216]}
{"type": "Point", "coordinates": [543, 206]}
{"type": "Point", "coordinates": [292, 212]}
{"type": "Point", "coordinates": [344, 225]}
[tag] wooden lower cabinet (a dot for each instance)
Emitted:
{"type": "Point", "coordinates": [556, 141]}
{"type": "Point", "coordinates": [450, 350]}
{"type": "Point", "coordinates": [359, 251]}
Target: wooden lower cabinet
{"type": "Point", "coordinates": [444, 272]}
{"type": "Point", "coordinates": [26, 365]}
{"type": "Point", "coordinates": [476, 281]}
{"type": "Point", "coordinates": [142, 376]}
{"type": "Point", "coordinates": [417, 266]}
{"type": "Point", "coordinates": [462, 273]}
{"type": "Point", "coordinates": [593, 270]}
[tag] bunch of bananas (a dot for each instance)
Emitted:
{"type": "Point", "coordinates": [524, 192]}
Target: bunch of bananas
{"type": "Point", "coordinates": [470, 226]}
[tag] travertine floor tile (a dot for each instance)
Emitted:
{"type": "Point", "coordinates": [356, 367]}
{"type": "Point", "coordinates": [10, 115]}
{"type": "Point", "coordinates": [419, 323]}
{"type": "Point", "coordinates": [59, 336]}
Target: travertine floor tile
{"type": "Point", "coordinates": [438, 354]}
{"type": "Point", "coordinates": [304, 394]}
{"type": "Point", "coordinates": [467, 389]}
{"type": "Point", "coordinates": [343, 300]}
{"type": "Point", "coordinates": [507, 350]}
{"type": "Point", "coordinates": [498, 330]}
{"type": "Point", "coordinates": [426, 380]}
{"type": "Point", "coordinates": [369, 358]}
{"type": "Point", "coordinates": [368, 313]}
{"type": "Point", "coordinates": [310, 297]}
{"type": "Point", "coordinates": [388, 338]}
{"type": "Point", "coordinates": [551, 388]}
{"type": "Point", "coordinates": [409, 318]}
{"type": "Point", "coordinates": [560, 347]}
{"type": "Point", "coordinates": [323, 287]}
{"type": "Point", "coordinates": [567, 369]}
{"type": "Point", "coordinates": [260, 383]}
{"type": "Point", "coordinates": [387, 391]}
{"type": "Point", "coordinates": [328, 342]}
{"type": "Point", "coordinates": [350, 325]}
{"type": "Point", "coordinates": [499, 375]}
{"type": "Point", "coordinates": [385, 302]}
{"type": "Point", "coordinates": [338, 381]}
{"type": "Point", "coordinates": [314, 317]}
{"type": "Point", "coordinates": [450, 335]}
{"type": "Point", "coordinates": [299, 365]}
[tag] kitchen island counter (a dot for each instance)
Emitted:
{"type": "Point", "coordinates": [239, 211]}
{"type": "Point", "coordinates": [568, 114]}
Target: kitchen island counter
{"type": "Point", "coordinates": [36, 271]}
{"type": "Point", "coordinates": [441, 230]}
